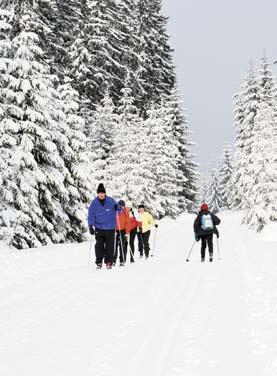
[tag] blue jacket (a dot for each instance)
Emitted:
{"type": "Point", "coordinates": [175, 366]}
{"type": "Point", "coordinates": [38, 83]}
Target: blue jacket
{"type": "Point", "coordinates": [102, 217]}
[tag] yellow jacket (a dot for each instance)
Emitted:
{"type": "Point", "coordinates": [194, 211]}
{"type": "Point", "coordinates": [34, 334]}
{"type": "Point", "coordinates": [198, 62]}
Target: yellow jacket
{"type": "Point", "coordinates": [147, 221]}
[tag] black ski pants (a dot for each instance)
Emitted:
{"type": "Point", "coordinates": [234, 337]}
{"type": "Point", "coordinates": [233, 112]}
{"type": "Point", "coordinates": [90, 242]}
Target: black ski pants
{"type": "Point", "coordinates": [144, 246]}
{"type": "Point", "coordinates": [122, 245]}
{"type": "Point", "coordinates": [104, 247]}
{"type": "Point", "coordinates": [207, 239]}
{"type": "Point", "coordinates": [133, 235]}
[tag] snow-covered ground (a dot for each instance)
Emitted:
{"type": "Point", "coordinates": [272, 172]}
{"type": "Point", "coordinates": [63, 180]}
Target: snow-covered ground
{"type": "Point", "coordinates": [165, 317]}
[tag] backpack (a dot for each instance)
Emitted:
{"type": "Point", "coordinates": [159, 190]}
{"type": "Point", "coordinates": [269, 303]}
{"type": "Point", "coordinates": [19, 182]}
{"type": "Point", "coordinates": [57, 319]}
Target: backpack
{"type": "Point", "coordinates": [207, 222]}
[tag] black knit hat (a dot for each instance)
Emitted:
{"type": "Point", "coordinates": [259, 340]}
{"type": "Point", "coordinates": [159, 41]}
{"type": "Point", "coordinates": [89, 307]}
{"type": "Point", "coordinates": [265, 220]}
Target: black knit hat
{"type": "Point", "coordinates": [101, 188]}
{"type": "Point", "coordinates": [141, 206]}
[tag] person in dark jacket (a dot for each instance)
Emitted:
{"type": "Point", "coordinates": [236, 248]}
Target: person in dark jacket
{"type": "Point", "coordinates": [204, 229]}
{"type": "Point", "coordinates": [102, 224]}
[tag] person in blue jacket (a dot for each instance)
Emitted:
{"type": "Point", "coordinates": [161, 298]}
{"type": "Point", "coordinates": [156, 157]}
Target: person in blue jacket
{"type": "Point", "coordinates": [102, 224]}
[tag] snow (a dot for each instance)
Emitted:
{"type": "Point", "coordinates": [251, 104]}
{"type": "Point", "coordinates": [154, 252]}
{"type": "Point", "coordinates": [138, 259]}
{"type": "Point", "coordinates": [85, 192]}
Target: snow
{"type": "Point", "coordinates": [60, 317]}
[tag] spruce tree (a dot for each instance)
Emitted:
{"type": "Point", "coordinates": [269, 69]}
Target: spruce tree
{"type": "Point", "coordinates": [124, 163]}
{"type": "Point", "coordinates": [8, 129]}
{"type": "Point", "coordinates": [262, 192]}
{"type": "Point", "coordinates": [96, 53]}
{"type": "Point", "coordinates": [267, 83]}
{"type": "Point", "coordinates": [157, 70]}
{"type": "Point", "coordinates": [77, 159]}
{"type": "Point", "coordinates": [43, 187]}
{"type": "Point", "coordinates": [102, 136]}
{"type": "Point", "coordinates": [164, 160]}
{"type": "Point", "coordinates": [132, 47]}
{"type": "Point", "coordinates": [186, 168]}
{"type": "Point", "coordinates": [249, 100]}
{"type": "Point", "coordinates": [225, 175]}
{"type": "Point", "coordinates": [214, 196]}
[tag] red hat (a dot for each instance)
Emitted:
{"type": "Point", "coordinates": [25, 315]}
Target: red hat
{"type": "Point", "coordinates": [204, 207]}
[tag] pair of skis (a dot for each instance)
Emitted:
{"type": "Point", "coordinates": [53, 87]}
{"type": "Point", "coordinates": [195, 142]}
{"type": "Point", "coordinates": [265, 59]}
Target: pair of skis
{"type": "Point", "coordinates": [190, 252]}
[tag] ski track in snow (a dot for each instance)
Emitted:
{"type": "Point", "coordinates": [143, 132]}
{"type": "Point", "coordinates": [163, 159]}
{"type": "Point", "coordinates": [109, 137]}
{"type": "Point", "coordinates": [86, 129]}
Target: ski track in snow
{"type": "Point", "coordinates": [164, 317]}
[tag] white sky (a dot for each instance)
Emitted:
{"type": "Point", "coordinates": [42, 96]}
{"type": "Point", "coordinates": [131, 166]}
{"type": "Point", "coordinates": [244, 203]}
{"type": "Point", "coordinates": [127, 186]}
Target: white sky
{"type": "Point", "coordinates": [214, 41]}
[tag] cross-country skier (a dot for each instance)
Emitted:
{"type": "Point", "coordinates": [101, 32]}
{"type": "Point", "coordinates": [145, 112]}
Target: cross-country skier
{"type": "Point", "coordinates": [204, 229]}
{"type": "Point", "coordinates": [102, 223]}
{"type": "Point", "coordinates": [134, 225]}
{"type": "Point", "coordinates": [122, 232]}
{"type": "Point", "coordinates": [147, 221]}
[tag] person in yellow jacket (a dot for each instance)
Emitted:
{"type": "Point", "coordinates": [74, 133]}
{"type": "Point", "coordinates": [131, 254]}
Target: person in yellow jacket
{"type": "Point", "coordinates": [147, 221]}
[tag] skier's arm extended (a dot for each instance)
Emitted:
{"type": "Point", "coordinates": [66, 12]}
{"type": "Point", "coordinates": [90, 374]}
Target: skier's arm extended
{"type": "Point", "coordinates": [216, 220]}
{"type": "Point", "coordinates": [91, 215]}
{"type": "Point", "coordinates": [152, 221]}
{"type": "Point", "coordinates": [196, 225]}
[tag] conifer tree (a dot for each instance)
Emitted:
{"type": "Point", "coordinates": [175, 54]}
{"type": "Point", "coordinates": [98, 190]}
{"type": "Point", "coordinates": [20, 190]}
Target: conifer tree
{"type": "Point", "coordinates": [96, 53]}
{"type": "Point", "coordinates": [102, 136]}
{"type": "Point", "coordinates": [262, 191]}
{"type": "Point", "coordinates": [124, 164]}
{"type": "Point", "coordinates": [8, 129]}
{"type": "Point", "coordinates": [249, 100]}
{"type": "Point", "coordinates": [164, 159]}
{"type": "Point", "coordinates": [186, 168]}
{"type": "Point", "coordinates": [43, 185]}
{"type": "Point", "coordinates": [157, 67]}
{"type": "Point", "coordinates": [214, 196]}
{"type": "Point", "coordinates": [267, 84]}
{"type": "Point", "coordinates": [225, 175]}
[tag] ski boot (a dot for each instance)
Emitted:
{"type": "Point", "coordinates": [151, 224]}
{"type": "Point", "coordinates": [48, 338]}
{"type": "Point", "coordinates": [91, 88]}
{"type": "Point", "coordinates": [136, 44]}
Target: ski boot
{"type": "Point", "coordinates": [98, 266]}
{"type": "Point", "coordinates": [203, 259]}
{"type": "Point", "coordinates": [109, 265]}
{"type": "Point", "coordinates": [211, 258]}
{"type": "Point", "coordinates": [122, 264]}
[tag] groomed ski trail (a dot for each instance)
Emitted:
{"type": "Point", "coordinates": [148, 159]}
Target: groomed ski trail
{"type": "Point", "coordinates": [164, 317]}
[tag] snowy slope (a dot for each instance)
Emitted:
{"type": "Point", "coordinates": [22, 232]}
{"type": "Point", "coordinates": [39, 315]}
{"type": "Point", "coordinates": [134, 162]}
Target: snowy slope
{"type": "Point", "coordinates": [60, 317]}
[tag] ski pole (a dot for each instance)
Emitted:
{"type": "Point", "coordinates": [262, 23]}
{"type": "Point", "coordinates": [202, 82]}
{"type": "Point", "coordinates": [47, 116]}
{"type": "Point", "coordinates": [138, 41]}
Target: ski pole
{"type": "Point", "coordinates": [114, 248]}
{"type": "Point", "coordinates": [90, 251]}
{"type": "Point", "coordinates": [121, 242]}
{"type": "Point", "coordinates": [154, 243]}
{"type": "Point", "coordinates": [190, 252]}
{"type": "Point", "coordinates": [219, 255]}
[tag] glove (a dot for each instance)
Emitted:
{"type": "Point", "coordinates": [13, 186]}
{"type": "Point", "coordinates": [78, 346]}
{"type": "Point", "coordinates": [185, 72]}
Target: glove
{"type": "Point", "coordinates": [156, 225]}
{"type": "Point", "coordinates": [91, 230]}
{"type": "Point", "coordinates": [217, 235]}
{"type": "Point", "coordinates": [140, 230]}
{"type": "Point", "coordinates": [115, 207]}
{"type": "Point", "coordinates": [197, 238]}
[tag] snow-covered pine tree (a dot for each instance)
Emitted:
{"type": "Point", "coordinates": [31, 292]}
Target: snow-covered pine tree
{"type": "Point", "coordinates": [214, 196]}
{"type": "Point", "coordinates": [124, 164]}
{"type": "Point", "coordinates": [73, 147]}
{"type": "Point", "coordinates": [39, 196]}
{"type": "Point", "coordinates": [96, 53]}
{"type": "Point", "coordinates": [157, 69]}
{"type": "Point", "coordinates": [202, 195]}
{"type": "Point", "coordinates": [248, 101]}
{"type": "Point", "coordinates": [66, 24]}
{"type": "Point", "coordinates": [132, 47]}
{"type": "Point", "coordinates": [8, 130]}
{"type": "Point", "coordinates": [186, 167]}
{"type": "Point", "coordinates": [262, 192]}
{"type": "Point", "coordinates": [163, 153]}
{"type": "Point", "coordinates": [102, 135]}
{"type": "Point", "coordinates": [267, 83]}
{"type": "Point", "coordinates": [225, 175]}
